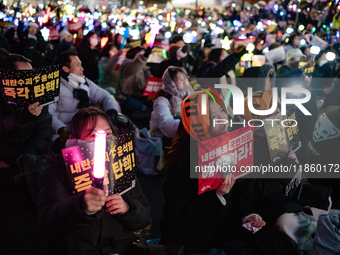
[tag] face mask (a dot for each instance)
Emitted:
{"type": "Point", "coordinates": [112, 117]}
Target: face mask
{"type": "Point", "coordinates": [322, 62]}
{"type": "Point", "coordinates": [93, 42]}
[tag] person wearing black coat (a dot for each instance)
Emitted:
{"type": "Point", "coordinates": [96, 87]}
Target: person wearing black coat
{"type": "Point", "coordinates": [176, 58]}
{"type": "Point", "coordinates": [23, 130]}
{"type": "Point", "coordinates": [87, 222]}
{"type": "Point", "coordinates": [88, 54]}
{"type": "Point", "coordinates": [220, 63]}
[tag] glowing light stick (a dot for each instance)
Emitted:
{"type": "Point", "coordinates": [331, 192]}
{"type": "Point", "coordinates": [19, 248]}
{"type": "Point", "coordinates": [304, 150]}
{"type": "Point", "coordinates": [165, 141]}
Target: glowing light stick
{"type": "Point", "coordinates": [250, 48]}
{"type": "Point", "coordinates": [330, 56]}
{"type": "Point", "coordinates": [155, 27]}
{"type": "Point", "coordinates": [125, 36]}
{"type": "Point", "coordinates": [99, 159]}
{"type": "Point", "coordinates": [226, 43]}
{"type": "Point", "coordinates": [103, 42]}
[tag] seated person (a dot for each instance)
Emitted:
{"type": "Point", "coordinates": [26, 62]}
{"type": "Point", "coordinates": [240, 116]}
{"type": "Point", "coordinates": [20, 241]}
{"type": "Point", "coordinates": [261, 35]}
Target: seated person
{"type": "Point", "coordinates": [76, 92]}
{"type": "Point", "coordinates": [191, 220]}
{"type": "Point", "coordinates": [23, 130]}
{"type": "Point", "coordinates": [166, 113]}
{"type": "Point", "coordinates": [88, 222]}
{"type": "Point", "coordinates": [133, 76]}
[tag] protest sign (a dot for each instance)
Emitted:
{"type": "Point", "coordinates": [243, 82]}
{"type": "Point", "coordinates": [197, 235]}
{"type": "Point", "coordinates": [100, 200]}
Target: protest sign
{"type": "Point", "coordinates": [230, 152]}
{"type": "Point", "coordinates": [5, 24]}
{"type": "Point", "coordinates": [276, 55]}
{"type": "Point", "coordinates": [25, 87]}
{"type": "Point", "coordinates": [120, 164]}
{"type": "Point", "coordinates": [153, 85]}
{"type": "Point", "coordinates": [282, 139]}
{"type": "Point", "coordinates": [317, 41]}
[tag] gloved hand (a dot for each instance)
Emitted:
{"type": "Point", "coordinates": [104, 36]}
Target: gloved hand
{"type": "Point", "coordinates": [185, 49]}
{"type": "Point", "coordinates": [147, 52]}
{"type": "Point", "coordinates": [241, 50]}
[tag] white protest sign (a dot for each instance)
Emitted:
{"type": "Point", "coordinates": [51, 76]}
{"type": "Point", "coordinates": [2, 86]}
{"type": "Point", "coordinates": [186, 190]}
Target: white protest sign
{"type": "Point", "coordinates": [276, 55]}
{"type": "Point", "coordinates": [317, 41]}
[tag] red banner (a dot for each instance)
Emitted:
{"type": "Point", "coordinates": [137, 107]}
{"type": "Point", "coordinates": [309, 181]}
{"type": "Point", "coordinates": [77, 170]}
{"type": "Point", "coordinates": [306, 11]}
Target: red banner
{"type": "Point", "coordinates": [222, 155]}
{"type": "Point", "coordinates": [152, 86]}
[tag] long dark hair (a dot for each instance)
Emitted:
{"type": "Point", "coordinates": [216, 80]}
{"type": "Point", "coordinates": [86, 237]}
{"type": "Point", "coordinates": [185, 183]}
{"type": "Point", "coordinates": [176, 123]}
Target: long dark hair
{"type": "Point", "coordinates": [86, 39]}
{"type": "Point", "coordinates": [83, 117]}
{"type": "Point", "coordinates": [106, 50]}
{"type": "Point", "coordinates": [215, 55]}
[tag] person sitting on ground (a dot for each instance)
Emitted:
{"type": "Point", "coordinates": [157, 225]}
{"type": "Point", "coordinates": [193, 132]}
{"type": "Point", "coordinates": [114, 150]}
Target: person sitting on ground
{"type": "Point", "coordinates": [23, 130]}
{"type": "Point", "coordinates": [186, 213]}
{"type": "Point", "coordinates": [88, 222]}
{"type": "Point", "coordinates": [76, 92]}
{"type": "Point", "coordinates": [108, 74]}
{"type": "Point", "coordinates": [166, 113]}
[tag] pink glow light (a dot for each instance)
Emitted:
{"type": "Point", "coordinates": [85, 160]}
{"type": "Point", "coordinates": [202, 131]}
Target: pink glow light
{"type": "Point", "coordinates": [99, 154]}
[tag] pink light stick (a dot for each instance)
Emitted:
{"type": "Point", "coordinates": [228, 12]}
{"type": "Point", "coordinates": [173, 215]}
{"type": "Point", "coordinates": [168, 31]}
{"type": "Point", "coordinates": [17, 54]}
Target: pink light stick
{"type": "Point", "coordinates": [99, 159]}
{"type": "Point", "coordinates": [155, 27]}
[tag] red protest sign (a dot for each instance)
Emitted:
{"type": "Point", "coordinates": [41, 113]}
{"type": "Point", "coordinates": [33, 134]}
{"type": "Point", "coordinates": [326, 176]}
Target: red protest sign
{"type": "Point", "coordinates": [153, 85]}
{"type": "Point", "coordinates": [222, 155]}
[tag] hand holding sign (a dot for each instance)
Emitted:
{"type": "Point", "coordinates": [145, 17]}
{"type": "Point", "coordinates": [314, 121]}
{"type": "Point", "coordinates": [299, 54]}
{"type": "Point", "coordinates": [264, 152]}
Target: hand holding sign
{"type": "Point", "coordinates": [35, 109]}
{"type": "Point", "coordinates": [225, 188]}
{"type": "Point", "coordinates": [115, 204]}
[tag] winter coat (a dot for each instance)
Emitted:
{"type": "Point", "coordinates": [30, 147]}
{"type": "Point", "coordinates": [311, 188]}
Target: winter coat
{"type": "Point", "coordinates": [133, 77]}
{"type": "Point", "coordinates": [168, 62]}
{"type": "Point", "coordinates": [189, 219]}
{"type": "Point", "coordinates": [64, 110]}
{"type": "Point", "coordinates": [108, 75]}
{"type": "Point", "coordinates": [162, 121]}
{"type": "Point", "coordinates": [213, 70]}
{"type": "Point", "coordinates": [89, 61]}
{"type": "Point", "coordinates": [21, 132]}
{"type": "Point", "coordinates": [71, 230]}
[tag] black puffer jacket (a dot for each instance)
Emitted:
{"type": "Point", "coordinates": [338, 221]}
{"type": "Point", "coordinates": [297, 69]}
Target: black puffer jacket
{"type": "Point", "coordinates": [21, 132]}
{"type": "Point", "coordinates": [71, 230]}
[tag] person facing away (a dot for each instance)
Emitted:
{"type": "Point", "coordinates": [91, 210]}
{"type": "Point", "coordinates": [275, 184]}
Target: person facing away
{"type": "Point", "coordinates": [76, 92]}
{"type": "Point", "coordinates": [87, 222]}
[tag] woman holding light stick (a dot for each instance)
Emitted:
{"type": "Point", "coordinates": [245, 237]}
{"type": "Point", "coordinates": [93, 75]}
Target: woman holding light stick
{"type": "Point", "coordinates": [88, 222]}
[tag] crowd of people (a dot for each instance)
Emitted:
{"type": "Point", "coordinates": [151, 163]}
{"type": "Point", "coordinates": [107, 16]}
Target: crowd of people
{"type": "Point", "coordinates": [102, 85]}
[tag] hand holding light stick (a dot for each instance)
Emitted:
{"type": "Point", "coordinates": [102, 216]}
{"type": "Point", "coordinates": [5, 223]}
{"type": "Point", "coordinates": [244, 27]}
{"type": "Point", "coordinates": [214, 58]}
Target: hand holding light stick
{"type": "Point", "coordinates": [99, 159]}
{"type": "Point", "coordinates": [155, 27]}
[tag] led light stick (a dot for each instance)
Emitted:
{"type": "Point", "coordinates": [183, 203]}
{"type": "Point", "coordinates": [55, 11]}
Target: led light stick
{"type": "Point", "coordinates": [226, 43]}
{"type": "Point", "coordinates": [99, 159]}
{"type": "Point", "coordinates": [330, 56]}
{"type": "Point", "coordinates": [314, 50]}
{"type": "Point", "coordinates": [125, 36]}
{"type": "Point", "coordinates": [155, 27]}
{"type": "Point", "coordinates": [103, 42]}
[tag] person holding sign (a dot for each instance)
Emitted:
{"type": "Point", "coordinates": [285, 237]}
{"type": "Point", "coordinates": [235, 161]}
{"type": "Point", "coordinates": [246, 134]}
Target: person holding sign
{"type": "Point", "coordinates": [76, 92]}
{"type": "Point", "coordinates": [23, 130]}
{"type": "Point", "coordinates": [166, 113]}
{"type": "Point", "coordinates": [192, 220]}
{"type": "Point", "coordinates": [87, 222]}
